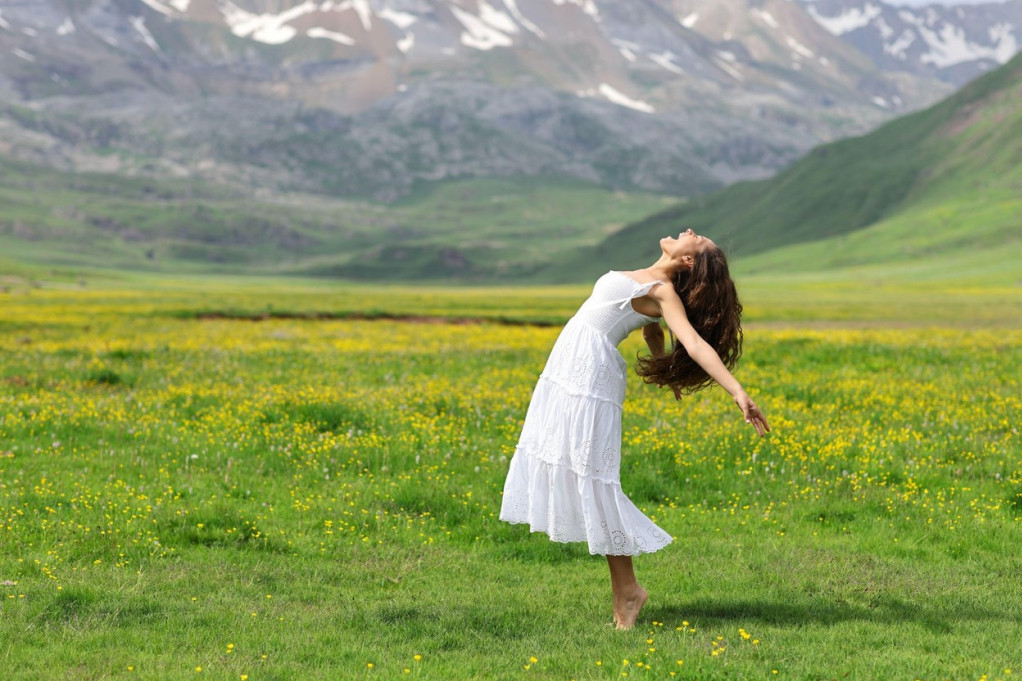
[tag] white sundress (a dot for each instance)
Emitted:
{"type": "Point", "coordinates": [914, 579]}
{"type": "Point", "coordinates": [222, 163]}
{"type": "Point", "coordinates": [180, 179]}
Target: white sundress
{"type": "Point", "coordinates": [565, 476]}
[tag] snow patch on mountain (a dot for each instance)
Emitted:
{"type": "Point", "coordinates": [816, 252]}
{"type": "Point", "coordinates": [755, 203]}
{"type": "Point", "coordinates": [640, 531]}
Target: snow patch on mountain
{"type": "Point", "coordinates": [615, 96]}
{"type": "Point", "coordinates": [497, 19]}
{"type": "Point", "coordinates": [478, 34]}
{"type": "Point", "coordinates": [66, 28]}
{"type": "Point", "coordinates": [588, 6]}
{"type": "Point", "coordinates": [884, 28]}
{"type": "Point", "coordinates": [520, 18]}
{"type": "Point", "coordinates": [725, 60]}
{"type": "Point", "coordinates": [766, 17]}
{"type": "Point", "coordinates": [159, 7]}
{"type": "Point", "coordinates": [1007, 45]}
{"type": "Point", "coordinates": [847, 21]}
{"type": "Point", "coordinates": [362, 8]}
{"type": "Point", "coordinates": [898, 47]}
{"type": "Point", "coordinates": [665, 60]}
{"type": "Point", "coordinates": [400, 19]}
{"type": "Point", "coordinates": [319, 32]}
{"type": "Point", "coordinates": [800, 48]}
{"type": "Point", "coordinates": [138, 23]}
{"type": "Point", "coordinates": [271, 29]}
{"type": "Point", "coordinates": [950, 46]}
{"type": "Point", "coordinates": [627, 49]}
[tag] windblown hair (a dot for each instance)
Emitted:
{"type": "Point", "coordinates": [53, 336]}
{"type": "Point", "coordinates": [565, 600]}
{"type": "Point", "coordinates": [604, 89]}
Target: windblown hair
{"type": "Point", "coordinates": [711, 304]}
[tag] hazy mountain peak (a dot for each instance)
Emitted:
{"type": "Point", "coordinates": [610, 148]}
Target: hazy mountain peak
{"type": "Point", "coordinates": [953, 43]}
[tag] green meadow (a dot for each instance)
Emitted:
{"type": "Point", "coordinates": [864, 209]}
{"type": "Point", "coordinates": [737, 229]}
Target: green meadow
{"type": "Point", "coordinates": [261, 479]}
{"type": "Point", "coordinates": [475, 230]}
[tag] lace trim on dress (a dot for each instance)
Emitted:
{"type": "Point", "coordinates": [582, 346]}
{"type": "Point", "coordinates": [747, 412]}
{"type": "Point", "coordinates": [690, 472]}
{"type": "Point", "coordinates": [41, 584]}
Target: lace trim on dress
{"type": "Point", "coordinates": [604, 470]}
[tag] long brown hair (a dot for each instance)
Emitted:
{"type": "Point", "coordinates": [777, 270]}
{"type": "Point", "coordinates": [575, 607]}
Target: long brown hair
{"type": "Point", "coordinates": [711, 304]}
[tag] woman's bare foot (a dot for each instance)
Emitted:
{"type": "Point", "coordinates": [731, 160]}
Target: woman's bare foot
{"type": "Point", "coordinates": [626, 609]}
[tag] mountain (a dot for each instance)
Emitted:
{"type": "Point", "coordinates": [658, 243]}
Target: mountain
{"type": "Point", "coordinates": [942, 186]}
{"type": "Point", "coordinates": [952, 43]}
{"type": "Point", "coordinates": [366, 98]}
{"type": "Point", "coordinates": [935, 193]}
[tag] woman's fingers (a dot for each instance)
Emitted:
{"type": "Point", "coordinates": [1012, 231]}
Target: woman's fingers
{"type": "Point", "coordinates": [756, 418]}
{"type": "Point", "coordinates": [752, 414]}
{"type": "Point", "coordinates": [761, 423]}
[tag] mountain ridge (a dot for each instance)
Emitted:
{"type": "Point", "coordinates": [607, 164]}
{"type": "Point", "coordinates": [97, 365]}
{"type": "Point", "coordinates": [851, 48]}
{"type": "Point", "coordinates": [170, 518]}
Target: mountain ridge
{"type": "Point", "coordinates": [732, 89]}
{"type": "Point", "coordinates": [927, 172]}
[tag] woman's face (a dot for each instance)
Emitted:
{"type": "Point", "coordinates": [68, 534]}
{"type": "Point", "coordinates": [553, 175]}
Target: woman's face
{"type": "Point", "coordinates": [685, 246]}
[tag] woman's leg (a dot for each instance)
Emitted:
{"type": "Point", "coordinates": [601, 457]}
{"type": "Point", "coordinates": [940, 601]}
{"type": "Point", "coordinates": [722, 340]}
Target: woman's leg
{"type": "Point", "coordinates": [629, 597]}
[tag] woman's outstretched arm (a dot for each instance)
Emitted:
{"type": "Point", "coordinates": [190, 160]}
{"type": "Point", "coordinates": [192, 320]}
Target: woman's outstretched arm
{"type": "Point", "coordinates": [673, 312]}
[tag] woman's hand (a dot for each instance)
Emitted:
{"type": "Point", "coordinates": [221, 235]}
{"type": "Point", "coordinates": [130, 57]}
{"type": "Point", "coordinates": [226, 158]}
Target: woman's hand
{"type": "Point", "coordinates": [654, 335]}
{"type": "Point", "coordinates": [752, 413]}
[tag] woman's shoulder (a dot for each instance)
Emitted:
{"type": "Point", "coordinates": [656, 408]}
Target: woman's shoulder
{"type": "Point", "coordinates": [640, 277]}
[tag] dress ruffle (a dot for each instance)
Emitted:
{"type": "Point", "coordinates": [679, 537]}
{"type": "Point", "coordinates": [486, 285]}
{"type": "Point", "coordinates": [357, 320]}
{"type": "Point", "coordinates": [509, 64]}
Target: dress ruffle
{"type": "Point", "coordinates": [570, 508]}
{"type": "Point", "coordinates": [564, 478]}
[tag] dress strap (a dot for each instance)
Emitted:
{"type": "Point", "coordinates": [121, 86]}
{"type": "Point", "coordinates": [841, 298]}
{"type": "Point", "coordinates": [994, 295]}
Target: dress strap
{"type": "Point", "coordinates": [639, 291]}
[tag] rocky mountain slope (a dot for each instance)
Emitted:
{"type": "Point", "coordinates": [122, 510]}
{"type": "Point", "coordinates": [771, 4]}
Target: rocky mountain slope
{"type": "Point", "coordinates": [368, 97]}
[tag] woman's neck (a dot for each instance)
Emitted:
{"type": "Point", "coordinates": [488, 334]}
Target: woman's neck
{"type": "Point", "coordinates": [664, 268]}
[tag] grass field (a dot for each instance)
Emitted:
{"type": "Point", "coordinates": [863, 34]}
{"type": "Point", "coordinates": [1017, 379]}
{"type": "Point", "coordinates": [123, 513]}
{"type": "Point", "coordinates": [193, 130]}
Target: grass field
{"type": "Point", "coordinates": [217, 479]}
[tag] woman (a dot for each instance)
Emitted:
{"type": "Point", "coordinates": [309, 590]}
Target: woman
{"type": "Point", "coordinates": [564, 478]}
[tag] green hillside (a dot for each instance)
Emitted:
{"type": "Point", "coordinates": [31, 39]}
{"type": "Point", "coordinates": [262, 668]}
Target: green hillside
{"type": "Point", "coordinates": [936, 188]}
{"type": "Point", "coordinates": [468, 230]}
